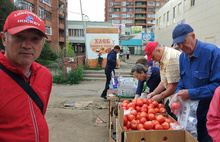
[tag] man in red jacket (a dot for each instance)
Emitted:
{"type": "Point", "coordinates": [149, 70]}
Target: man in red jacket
{"type": "Point", "coordinates": [21, 120]}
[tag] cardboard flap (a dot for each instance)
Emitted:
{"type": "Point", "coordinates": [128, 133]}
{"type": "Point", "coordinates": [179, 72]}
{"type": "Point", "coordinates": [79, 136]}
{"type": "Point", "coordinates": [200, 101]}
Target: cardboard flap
{"type": "Point", "coordinates": [156, 136]}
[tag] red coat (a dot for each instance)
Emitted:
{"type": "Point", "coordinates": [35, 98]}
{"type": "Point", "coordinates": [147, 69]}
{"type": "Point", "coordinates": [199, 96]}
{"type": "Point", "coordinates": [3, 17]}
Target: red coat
{"type": "Point", "coordinates": [213, 117]}
{"type": "Point", "coordinates": [20, 118]}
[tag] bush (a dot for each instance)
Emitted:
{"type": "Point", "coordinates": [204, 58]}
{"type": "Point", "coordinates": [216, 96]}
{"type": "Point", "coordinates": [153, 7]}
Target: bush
{"type": "Point", "coordinates": [72, 77]}
{"type": "Point", "coordinates": [47, 53]}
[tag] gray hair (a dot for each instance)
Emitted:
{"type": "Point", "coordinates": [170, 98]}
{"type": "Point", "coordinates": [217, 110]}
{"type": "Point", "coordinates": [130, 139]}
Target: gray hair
{"type": "Point", "coordinates": [6, 35]}
{"type": "Point", "coordinates": [139, 68]}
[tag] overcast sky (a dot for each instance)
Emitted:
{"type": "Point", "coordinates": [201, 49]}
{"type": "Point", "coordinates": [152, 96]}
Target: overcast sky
{"type": "Point", "coordinates": [94, 9]}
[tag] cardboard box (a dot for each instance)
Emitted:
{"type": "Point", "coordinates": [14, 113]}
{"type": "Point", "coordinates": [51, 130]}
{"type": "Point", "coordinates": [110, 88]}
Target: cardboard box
{"type": "Point", "coordinates": [151, 135]}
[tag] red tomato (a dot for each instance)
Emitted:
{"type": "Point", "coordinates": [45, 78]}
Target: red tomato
{"type": "Point", "coordinates": [126, 101]}
{"type": "Point", "coordinates": [130, 117]}
{"type": "Point", "coordinates": [131, 105]}
{"type": "Point", "coordinates": [151, 106]}
{"type": "Point", "coordinates": [151, 116]}
{"type": "Point", "coordinates": [160, 119]}
{"type": "Point", "coordinates": [158, 127]}
{"type": "Point", "coordinates": [148, 125]}
{"type": "Point", "coordinates": [143, 120]}
{"type": "Point", "coordinates": [143, 114]}
{"type": "Point", "coordinates": [145, 105]}
{"type": "Point", "coordinates": [145, 101]}
{"type": "Point", "coordinates": [134, 124]}
{"type": "Point", "coordinates": [140, 126]}
{"type": "Point", "coordinates": [142, 129]}
{"type": "Point", "coordinates": [155, 122]}
{"type": "Point", "coordinates": [151, 110]}
{"type": "Point", "coordinates": [160, 105]}
{"type": "Point", "coordinates": [162, 110]}
{"type": "Point", "coordinates": [138, 108]}
{"type": "Point", "coordinates": [134, 102]}
{"type": "Point", "coordinates": [157, 110]}
{"type": "Point", "coordinates": [168, 120]}
{"type": "Point", "coordinates": [140, 102]}
{"type": "Point", "coordinates": [125, 128]}
{"type": "Point", "coordinates": [150, 101]}
{"type": "Point", "coordinates": [125, 108]}
{"type": "Point", "coordinates": [134, 112]}
{"type": "Point", "coordinates": [125, 120]}
{"type": "Point", "coordinates": [128, 125]}
{"type": "Point", "coordinates": [155, 103]}
{"type": "Point", "coordinates": [165, 125]}
{"type": "Point", "coordinates": [176, 106]}
{"type": "Point", "coordinates": [143, 109]}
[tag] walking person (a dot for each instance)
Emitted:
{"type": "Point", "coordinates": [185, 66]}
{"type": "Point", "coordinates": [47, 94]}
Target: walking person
{"type": "Point", "coordinates": [109, 68]}
{"type": "Point", "coordinates": [21, 114]}
{"type": "Point", "coordinates": [128, 53]}
{"type": "Point", "coordinates": [199, 72]}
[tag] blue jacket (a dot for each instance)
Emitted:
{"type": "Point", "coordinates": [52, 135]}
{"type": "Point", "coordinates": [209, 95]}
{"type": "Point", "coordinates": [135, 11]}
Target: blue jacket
{"type": "Point", "coordinates": [111, 60]}
{"type": "Point", "coordinates": [200, 74]}
{"type": "Point", "coordinates": [152, 82]}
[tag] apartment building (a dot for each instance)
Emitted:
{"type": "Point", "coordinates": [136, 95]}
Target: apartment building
{"type": "Point", "coordinates": [132, 12]}
{"type": "Point", "coordinates": [202, 15]}
{"type": "Point", "coordinates": [53, 14]}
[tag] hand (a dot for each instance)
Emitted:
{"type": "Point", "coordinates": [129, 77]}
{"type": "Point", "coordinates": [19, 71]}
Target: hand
{"type": "Point", "coordinates": [157, 98]}
{"type": "Point", "coordinates": [137, 96]}
{"type": "Point", "coordinates": [149, 96]}
{"type": "Point", "coordinates": [184, 95]}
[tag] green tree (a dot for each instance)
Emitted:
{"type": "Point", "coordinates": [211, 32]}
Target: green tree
{"type": "Point", "coordinates": [47, 53]}
{"type": "Point", "coordinates": [6, 7]}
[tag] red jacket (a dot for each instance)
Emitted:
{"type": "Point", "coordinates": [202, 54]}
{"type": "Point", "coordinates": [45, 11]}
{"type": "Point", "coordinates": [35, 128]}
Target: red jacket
{"type": "Point", "coordinates": [20, 118]}
{"type": "Point", "coordinates": [213, 117]}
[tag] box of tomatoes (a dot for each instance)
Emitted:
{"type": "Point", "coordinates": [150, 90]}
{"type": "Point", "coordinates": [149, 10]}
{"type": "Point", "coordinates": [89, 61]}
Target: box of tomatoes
{"type": "Point", "coordinates": [144, 119]}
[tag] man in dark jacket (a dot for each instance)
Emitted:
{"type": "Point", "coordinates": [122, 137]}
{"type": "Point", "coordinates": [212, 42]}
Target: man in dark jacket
{"type": "Point", "coordinates": [110, 66]}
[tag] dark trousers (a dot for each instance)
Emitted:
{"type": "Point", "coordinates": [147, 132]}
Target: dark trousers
{"type": "Point", "coordinates": [108, 79]}
{"type": "Point", "coordinates": [127, 56]}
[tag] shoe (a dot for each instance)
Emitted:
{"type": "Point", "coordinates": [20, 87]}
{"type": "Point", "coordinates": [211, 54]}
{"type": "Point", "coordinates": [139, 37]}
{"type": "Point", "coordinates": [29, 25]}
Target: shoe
{"type": "Point", "coordinates": [104, 97]}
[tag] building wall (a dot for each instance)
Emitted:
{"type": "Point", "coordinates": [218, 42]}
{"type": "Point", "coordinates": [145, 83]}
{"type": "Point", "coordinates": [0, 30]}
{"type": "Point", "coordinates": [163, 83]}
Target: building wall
{"type": "Point", "coordinates": [203, 17]}
{"type": "Point", "coordinates": [56, 39]}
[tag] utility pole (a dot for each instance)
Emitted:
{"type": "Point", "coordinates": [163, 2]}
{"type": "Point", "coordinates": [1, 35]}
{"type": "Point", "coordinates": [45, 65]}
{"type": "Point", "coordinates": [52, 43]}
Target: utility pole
{"type": "Point", "coordinates": [84, 30]}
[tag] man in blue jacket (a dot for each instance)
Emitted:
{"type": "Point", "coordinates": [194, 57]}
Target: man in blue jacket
{"type": "Point", "coordinates": [110, 66]}
{"type": "Point", "coordinates": [199, 73]}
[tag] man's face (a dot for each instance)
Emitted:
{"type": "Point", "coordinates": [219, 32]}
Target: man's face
{"type": "Point", "coordinates": [140, 76]}
{"type": "Point", "coordinates": [188, 46]}
{"type": "Point", "coordinates": [116, 50]}
{"type": "Point", "coordinates": [156, 56]}
{"type": "Point", "coordinates": [23, 48]}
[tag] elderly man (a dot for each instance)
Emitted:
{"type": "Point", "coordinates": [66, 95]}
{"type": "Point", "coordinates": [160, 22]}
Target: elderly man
{"type": "Point", "coordinates": [199, 72]}
{"type": "Point", "coordinates": [25, 85]}
{"type": "Point", "coordinates": [169, 71]}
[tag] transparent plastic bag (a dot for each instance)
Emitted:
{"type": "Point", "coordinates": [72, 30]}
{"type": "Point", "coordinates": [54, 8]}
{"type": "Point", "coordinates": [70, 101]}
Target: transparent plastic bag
{"type": "Point", "coordinates": [186, 114]}
{"type": "Point", "coordinates": [175, 105]}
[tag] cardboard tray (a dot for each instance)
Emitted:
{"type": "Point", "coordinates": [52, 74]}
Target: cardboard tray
{"type": "Point", "coordinates": [151, 135]}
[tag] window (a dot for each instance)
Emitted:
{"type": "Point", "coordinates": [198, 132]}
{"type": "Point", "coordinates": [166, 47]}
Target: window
{"type": "Point", "coordinates": [115, 15]}
{"type": "Point", "coordinates": [123, 15]}
{"type": "Point", "coordinates": [110, 4]}
{"type": "Point", "coordinates": [116, 21]}
{"type": "Point", "coordinates": [174, 14]}
{"type": "Point", "coordinates": [160, 23]}
{"type": "Point", "coordinates": [22, 4]}
{"type": "Point", "coordinates": [116, 4]}
{"type": "Point", "coordinates": [129, 21]}
{"type": "Point", "coordinates": [76, 32]}
{"type": "Point", "coordinates": [48, 30]}
{"type": "Point", "coordinates": [124, 9]}
{"type": "Point", "coordinates": [116, 9]}
{"type": "Point", "coordinates": [179, 8]}
{"type": "Point", "coordinates": [123, 3]}
{"type": "Point", "coordinates": [48, 2]}
{"type": "Point", "coordinates": [130, 15]}
{"type": "Point", "coordinates": [123, 21]}
{"type": "Point", "coordinates": [157, 4]}
{"type": "Point", "coordinates": [162, 4]}
{"type": "Point", "coordinates": [110, 10]}
{"type": "Point", "coordinates": [41, 12]}
{"type": "Point", "coordinates": [48, 15]}
{"type": "Point", "coordinates": [110, 16]}
{"type": "Point", "coordinates": [193, 2]}
{"type": "Point", "coordinates": [151, 21]}
{"type": "Point", "coordinates": [156, 22]}
{"type": "Point", "coordinates": [164, 18]}
{"type": "Point", "coordinates": [168, 18]}
{"type": "Point", "coordinates": [151, 9]}
{"type": "Point", "coordinates": [129, 9]}
{"type": "Point", "coordinates": [151, 3]}
{"type": "Point", "coordinates": [151, 15]}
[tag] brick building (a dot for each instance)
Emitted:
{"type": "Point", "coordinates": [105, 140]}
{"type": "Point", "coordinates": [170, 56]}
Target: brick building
{"type": "Point", "coordinates": [132, 12]}
{"type": "Point", "coordinates": [52, 12]}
